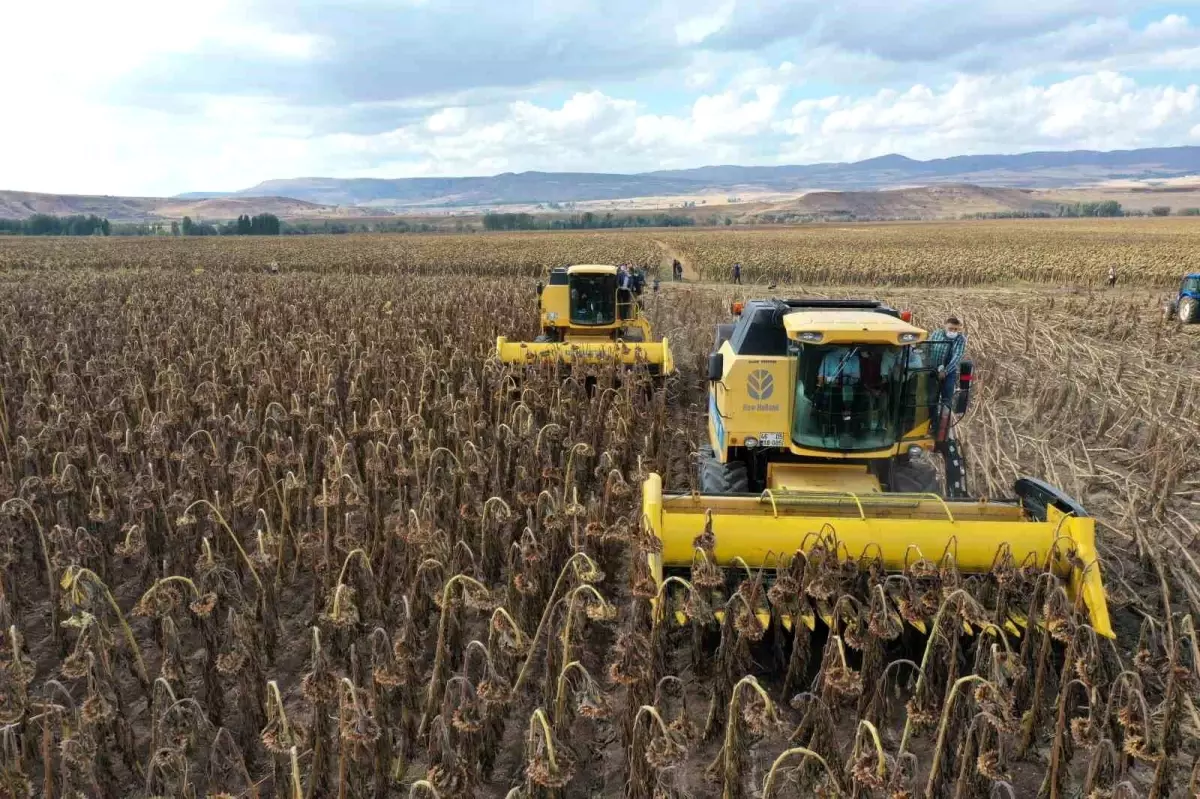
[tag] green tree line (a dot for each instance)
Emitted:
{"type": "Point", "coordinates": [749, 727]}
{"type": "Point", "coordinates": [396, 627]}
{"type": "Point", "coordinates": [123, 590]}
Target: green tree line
{"type": "Point", "coordinates": [51, 225]}
{"type": "Point", "coordinates": [245, 225]}
{"type": "Point", "coordinates": [584, 221]}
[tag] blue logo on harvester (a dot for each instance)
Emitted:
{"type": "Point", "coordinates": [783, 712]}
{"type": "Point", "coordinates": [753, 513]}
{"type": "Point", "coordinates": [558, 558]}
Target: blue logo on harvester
{"type": "Point", "coordinates": [714, 413]}
{"type": "Point", "coordinates": [760, 385]}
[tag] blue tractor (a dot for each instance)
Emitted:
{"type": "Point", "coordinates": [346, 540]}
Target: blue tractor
{"type": "Point", "coordinates": [1187, 305]}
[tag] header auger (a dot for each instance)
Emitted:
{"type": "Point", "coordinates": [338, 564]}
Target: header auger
{"type": "Point", "coordinates": [824, 420]}
{"type": "Point", "coordinates": [591, 314]}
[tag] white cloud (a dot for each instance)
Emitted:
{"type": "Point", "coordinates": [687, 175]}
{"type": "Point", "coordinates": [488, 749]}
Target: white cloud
{"type": "Point", "coordinates": [971, 114]}
{"type": "Point", "coordinates": [237, 142]}
{"type": "Point", "coordinates": [977, 114]}
{"type": "Point", "coordinates": [695, 29]}
{"type": "Point", "coordinates": [141, 97]}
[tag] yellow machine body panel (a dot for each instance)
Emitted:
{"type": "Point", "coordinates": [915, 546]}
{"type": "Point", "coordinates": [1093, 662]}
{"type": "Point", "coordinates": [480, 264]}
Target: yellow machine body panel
{"type": "Point", "coordinates": [576, 342]}
{"type": "Point", "coordinates": [582, 350]}
{"type": "Point", "coordinates": [896, 528]}
{"type": "Point", "coordinates": [821, 477]}
{"type": "Point", "coordinates": [755, 397]}
{"type": "Point", "coordinates": [850, 327]}
{"type": "Point", "coordinates": [591, 269]}
{"type": "Point", "coordinates": [556, 305]}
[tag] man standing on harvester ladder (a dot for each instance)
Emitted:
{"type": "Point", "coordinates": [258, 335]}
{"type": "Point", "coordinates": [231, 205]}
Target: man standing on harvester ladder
{"type": "Point", "coordinates": [947, 346]}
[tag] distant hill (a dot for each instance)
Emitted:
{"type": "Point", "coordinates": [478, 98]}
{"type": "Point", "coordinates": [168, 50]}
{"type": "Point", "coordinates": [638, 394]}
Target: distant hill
{"type": "Point", "coordinates": [931, 202]}
{"type": "Point", "coordinates": [505, 189]}
{"type": "Point", "coordinates": [1026, 170]}
{"type": "Point", "coordinates": [887, 187]}
{"type": "Point", "coordinates": [23, 204]}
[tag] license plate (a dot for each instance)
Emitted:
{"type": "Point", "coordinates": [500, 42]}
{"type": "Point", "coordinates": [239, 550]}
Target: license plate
{"type": "Point", "coordinates": [770, 439]}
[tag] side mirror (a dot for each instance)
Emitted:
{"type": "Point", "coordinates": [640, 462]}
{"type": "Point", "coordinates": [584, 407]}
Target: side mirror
{"type": "Point", "coordinates": [966, 371]}
{"type": "Point", "coordinates": [716, 367]}
{"type": "Point", "coordinates": [539, 288]}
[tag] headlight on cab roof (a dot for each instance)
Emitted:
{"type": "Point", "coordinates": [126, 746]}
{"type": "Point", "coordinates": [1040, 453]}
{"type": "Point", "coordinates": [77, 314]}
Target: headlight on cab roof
{"type": "Point", "coordinates": [909, 338]}
{"type": "Point", "coordinates": [810, 335]}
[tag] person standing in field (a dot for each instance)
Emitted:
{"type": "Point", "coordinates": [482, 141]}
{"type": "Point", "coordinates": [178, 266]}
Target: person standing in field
{"type": "Point", "coordinates": [947, 346]}
{"type": "Point", "coordinates": [1112, 276]}
{"type": "Point", "coordinates": [737, 274]}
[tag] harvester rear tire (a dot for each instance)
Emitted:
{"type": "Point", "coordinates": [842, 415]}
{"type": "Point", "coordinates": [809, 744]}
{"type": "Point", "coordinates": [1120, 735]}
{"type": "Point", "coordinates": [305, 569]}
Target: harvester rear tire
{"type": "Point", "coordinates": [917, 475]}
{"type": "Point", "coordinates": [722, 478]}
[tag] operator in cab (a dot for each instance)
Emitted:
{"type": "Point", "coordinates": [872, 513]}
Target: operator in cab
{"type": "Point", "coordinates": [837, 389]}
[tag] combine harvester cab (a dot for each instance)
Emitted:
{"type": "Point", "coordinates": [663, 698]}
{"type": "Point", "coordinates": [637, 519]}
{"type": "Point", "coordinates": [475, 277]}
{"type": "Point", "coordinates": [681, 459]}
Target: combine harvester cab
{"type": "Point", "coordinates": [588, 319]}
{"type": "Point", "coordinates": [823, 416]}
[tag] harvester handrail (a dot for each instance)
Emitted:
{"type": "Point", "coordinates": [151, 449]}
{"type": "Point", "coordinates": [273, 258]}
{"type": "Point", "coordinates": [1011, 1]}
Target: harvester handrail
{"type": "Point", "coordinates": [942, 501]}
{"type": "Point", "coordinates": [883, 498]}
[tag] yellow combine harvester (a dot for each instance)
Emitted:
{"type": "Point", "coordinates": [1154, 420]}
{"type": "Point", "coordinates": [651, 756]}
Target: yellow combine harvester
{"type": "Point", "coordinates": [587, 317]}
{"type": "Point", "coordinates": [822, 418]}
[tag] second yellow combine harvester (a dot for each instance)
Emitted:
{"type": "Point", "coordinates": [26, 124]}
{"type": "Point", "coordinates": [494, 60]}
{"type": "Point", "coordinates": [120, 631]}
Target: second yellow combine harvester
{"type": "Point", "coordinates": [587, 317]}
{"type": "Point", "coordinates": [822, 417]}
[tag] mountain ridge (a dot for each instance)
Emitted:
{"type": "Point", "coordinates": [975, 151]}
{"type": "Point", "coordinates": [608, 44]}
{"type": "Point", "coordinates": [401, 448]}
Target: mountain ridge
{"type": "Point", "coordinates": [23, 204]}
{"type": "Point", "coordinates": [890, 186]}
{"type": "Point", "coordinates": [1036, 169]}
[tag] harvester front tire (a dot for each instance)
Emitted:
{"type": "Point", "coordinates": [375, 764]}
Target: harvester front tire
{"type": "Point", "coordinates": [722, 478]}
{"type": "Point", "coordinates": [542, 339]}
{"type": "Point", "coordinates": [918, 475]}
{"type": "Point", "coordinates": [1189, 311]}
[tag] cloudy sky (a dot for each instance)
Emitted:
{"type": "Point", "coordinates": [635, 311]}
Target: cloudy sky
{"type": "Point", "coordinates": [152, 98]}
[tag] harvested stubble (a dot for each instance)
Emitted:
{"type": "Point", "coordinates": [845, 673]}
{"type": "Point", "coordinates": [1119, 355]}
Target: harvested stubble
{"type": "Point", "coordinates": [300, 536]}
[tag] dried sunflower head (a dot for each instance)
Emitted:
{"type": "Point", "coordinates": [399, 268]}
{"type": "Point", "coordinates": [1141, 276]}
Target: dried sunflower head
{"type": "Point", "coordinates": [387, 675]}
{"type": "Point", "coordinates": [865, 771]}
{"type": "Point", "coordinates": [922, 717]}
{"type": "Point", "coordinates": [76, 665]}
{"type": "Point", "coordinates": [467, 718]}
{"type": "Point", "coordinates": [594, 705]}
{"type": "Point", "coordinates": [844, 681]}
{"type": "Point", "coordinates": [549, 774]}
{"type": "Point", "coordinates": [231, 662]}
{"type": "Point", "coordinates": [747, 623]}
{"type": "Point", "coordinates": [664, 752]}
{"type": "Point", "coordinates": [204, 605]}
{"type": "Point", "coordinates": [784, 592]}
{"type": "Point", "coordinates": [600, 611]}
{"type": "Point", "coordinates": [319, 687]}
{"type": "Point", "coordinates": [97, 709]}
{"type": "Point", "coordinates": [988, 765]}
{"type": "Point", "coordinates": [494, 689]}
{"type": "Point", "coordinates": [360, 729]}
{"type": "Point", "coordinates": [1085, 732]}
